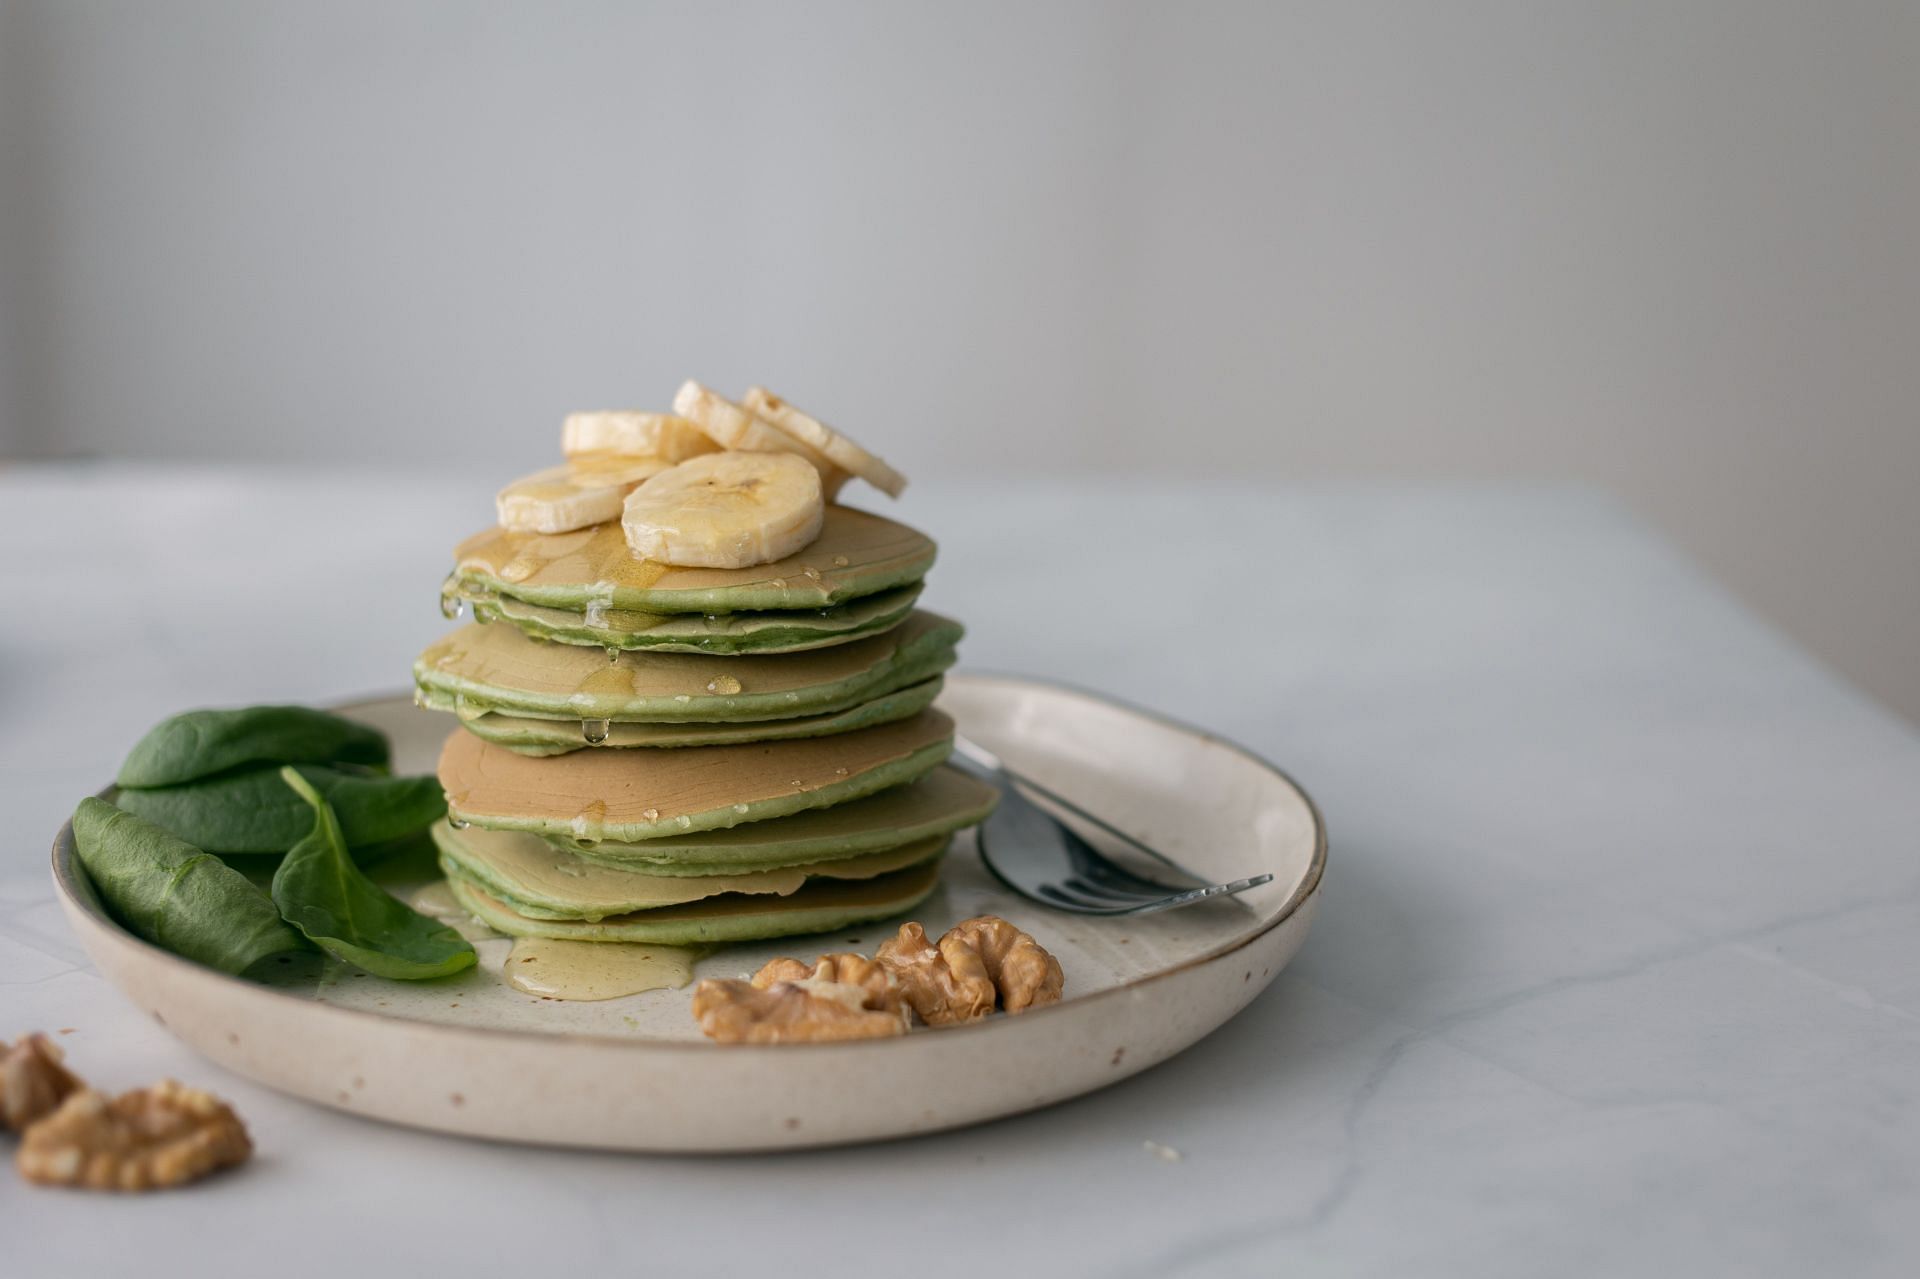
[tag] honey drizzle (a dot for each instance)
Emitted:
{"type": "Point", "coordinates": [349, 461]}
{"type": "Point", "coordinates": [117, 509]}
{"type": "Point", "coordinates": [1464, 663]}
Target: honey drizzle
{"type": "Point", "coordinates": [593, 970]}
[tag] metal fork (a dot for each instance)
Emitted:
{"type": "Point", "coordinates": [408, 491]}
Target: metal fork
{"type": "Point", "coordinates": [1041, 858]}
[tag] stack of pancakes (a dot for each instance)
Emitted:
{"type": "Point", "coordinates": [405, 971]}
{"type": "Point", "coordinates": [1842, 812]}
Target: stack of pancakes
{"type": "Point", "coordinates": [669, 755]}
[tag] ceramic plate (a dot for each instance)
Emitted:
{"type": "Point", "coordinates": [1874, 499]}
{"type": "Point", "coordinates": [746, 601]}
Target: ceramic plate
{"type": "Point", "coordinates": [470, 1055]}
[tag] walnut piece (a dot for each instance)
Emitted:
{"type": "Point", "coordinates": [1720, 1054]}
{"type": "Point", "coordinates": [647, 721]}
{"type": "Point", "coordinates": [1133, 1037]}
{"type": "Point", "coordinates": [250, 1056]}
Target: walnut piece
{"type": "Point", "coordinates": [840, 997]}
{"type": "Point", "coordinates": [942, 988]}
{"type": "Point", "coordinates": [975, 963]}
{"type": "Point", "coordinates": [149, 1139]}
{"type": "Point", "coordinates": [1023, 971]}
{"type": "Point", "coordinates": [843, 967]}
{"type": "Point", "coordinates": [33, 1083]}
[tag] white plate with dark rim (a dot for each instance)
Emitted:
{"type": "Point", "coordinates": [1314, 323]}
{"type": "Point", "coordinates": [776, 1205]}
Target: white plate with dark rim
{"type": "Point", "coordinates": [472, 1056]}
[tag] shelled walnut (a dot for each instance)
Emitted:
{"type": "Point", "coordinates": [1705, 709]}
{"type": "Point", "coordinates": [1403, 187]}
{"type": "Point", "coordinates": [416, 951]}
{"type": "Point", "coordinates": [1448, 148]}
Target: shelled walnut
{"type": "Point", "coordinates": [799, 1009]}
{"type": "Point", "coordinates": [843, 967]}
{"type": "Point", "coordinates": [149, 1139]}
{"type": "Point", "coordinates": [33, 1082]}
{"type": "Point", "coordinates": [975, 964]}
{"type": "Point", "coordinates": [942, 989]}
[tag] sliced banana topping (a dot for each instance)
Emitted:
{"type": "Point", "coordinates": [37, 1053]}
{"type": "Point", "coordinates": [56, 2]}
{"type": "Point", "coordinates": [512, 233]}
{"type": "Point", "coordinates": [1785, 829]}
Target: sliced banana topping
{"type": "Point", "coordinates": [586, 491]}
{"type": "Point", "coordinates": [733, 427]}
{"type": "Point", "coordinates": [631, 433]}
{"type": "Point", "coordinates": [823, 439]}
{"type": "Point", "coordinates": [726, 510]}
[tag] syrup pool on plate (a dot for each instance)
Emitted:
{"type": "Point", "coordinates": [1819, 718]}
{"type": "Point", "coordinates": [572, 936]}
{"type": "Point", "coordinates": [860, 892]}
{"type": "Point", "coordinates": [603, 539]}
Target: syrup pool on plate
{"type": "Point", "coordinates": [592, 970]}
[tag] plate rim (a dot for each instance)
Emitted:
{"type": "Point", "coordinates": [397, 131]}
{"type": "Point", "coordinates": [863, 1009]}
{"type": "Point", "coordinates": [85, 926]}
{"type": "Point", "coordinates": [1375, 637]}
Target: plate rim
{"type": "Point", "coordinates": [65, 856]}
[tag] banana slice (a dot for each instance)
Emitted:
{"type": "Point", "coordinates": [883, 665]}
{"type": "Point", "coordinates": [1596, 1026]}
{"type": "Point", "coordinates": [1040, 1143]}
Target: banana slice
{"type": "Point", "coordinates": [733, 427]}
{"type": "Point", "coordinates": [726, 510]}
{"type": "Point", "coordinates": [587, 490]}
{"type": "Point", "coordinates": [823, 439]}
{"type": "Point", "coordinates": [631, 433]}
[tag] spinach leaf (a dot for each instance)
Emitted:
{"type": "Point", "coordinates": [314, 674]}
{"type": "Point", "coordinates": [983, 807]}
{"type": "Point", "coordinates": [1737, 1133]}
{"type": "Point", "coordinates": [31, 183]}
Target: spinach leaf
{"type": "Point", "coordinates": [254, 812]}
{"type": "Point", "coordinates": [322, 893]}
{"type": "Point", "coordinates": [175, 895]}
{"type": "Point", "coordinates": [198, 744]}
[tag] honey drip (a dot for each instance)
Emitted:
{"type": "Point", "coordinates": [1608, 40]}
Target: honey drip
{"type": "Point", "coordinates": [588, 822]}
{"type": "Point", "coordinates": [589, 970]}
{"type": "Point", "coordinates": [608, 681]}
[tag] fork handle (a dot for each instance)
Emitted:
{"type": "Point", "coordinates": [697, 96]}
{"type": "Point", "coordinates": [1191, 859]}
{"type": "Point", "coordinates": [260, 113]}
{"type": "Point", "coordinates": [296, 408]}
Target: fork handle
{"type": "Point", "coordinates": [979, 756]}
{"type": "Point", "coordinates": [985, 760]}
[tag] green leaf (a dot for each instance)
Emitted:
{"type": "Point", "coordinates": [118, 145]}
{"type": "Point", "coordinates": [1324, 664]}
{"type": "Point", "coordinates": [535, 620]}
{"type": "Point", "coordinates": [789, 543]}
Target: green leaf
{"type": "Point", "coordinates": [254, 812]}
{"type": "Point", "coordinates": [176, 895]}
{"type": "Point", "coordinates": [323, 894]}
{"type": "Point", "coordinates": [198, 744]}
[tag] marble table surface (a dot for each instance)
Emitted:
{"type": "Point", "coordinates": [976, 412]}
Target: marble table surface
{"type": "Point", "coordinates": [1617, 971]}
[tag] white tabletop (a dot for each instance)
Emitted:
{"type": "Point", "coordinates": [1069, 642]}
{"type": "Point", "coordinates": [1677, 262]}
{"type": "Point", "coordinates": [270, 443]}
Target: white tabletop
{"type": "Point", "coordinates": [1618, 968]}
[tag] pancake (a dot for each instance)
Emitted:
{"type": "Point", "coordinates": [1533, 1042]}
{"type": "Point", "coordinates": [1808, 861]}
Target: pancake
{"type": "Point", "coordinates": [856, 554]}
{"type": "Point", "coordinates": [821, 906]}
{"type": "Point", "coordinates": [542, 881]}
{"type": "Point", "coordinates": [779, 631]}
{"type": "Point", "coordinates": [495, 668]}
{"type": "Point", "coordinates": [637, 795]}
{"type": "Point", "coordinates": [531, 736]}
{"type": "Point", "coordinates": [940, 803]}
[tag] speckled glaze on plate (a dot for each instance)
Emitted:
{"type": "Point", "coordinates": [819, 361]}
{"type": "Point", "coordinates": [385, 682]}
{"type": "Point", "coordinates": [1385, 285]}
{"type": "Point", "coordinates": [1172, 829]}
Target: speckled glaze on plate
{"type": "Point", "coordinates": [470, 1055]}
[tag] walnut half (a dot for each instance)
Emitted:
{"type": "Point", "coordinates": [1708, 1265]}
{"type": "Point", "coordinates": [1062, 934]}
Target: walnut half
{"type": "Point", "coordinates": [840, 997]}
{"type": "Point", "coordinates": [33, 1083]}
{"type": "Point", "coordinates": [975, 963]}
{"type": "Point", "coordinates": [843, 967]}
{"type": "Point", "coordinates": [149, 1139]}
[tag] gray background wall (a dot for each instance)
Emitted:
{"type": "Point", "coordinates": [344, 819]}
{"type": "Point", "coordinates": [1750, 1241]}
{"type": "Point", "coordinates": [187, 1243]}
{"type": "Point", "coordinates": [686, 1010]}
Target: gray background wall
{"type": "Point", "coordinates": [1671, 248]}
